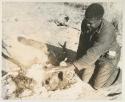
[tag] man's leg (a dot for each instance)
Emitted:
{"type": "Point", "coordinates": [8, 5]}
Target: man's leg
{"type": "Point", "coordinates": [106, 74]}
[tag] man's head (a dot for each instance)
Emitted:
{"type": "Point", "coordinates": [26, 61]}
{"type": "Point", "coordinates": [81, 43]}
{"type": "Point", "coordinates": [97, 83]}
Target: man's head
{"type": "Point", "coordinates": [94, 14]}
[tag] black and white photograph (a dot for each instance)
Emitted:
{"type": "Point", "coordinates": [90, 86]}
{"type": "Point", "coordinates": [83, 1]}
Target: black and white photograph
{"type": "Point", "coordinates": [62, 50]}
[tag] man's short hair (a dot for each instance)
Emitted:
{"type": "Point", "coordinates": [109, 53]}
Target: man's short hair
{"type": "Point", "coordinates": [94, 10]}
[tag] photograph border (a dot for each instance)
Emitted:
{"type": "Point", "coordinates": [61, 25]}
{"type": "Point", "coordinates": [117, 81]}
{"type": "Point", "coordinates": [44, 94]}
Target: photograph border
{"type": "Point", "coordinates": [122, 57]}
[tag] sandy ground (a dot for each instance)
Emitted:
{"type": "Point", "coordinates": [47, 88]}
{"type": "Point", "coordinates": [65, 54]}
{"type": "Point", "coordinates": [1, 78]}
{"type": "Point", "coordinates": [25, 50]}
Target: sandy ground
{"type": "Point", "coordinates": [38, 21]}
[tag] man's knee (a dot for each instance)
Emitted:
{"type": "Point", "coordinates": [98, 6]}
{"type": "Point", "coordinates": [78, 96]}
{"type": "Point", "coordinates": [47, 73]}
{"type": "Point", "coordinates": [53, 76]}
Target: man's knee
{"type": "Point", "coordinates": [87, 74]}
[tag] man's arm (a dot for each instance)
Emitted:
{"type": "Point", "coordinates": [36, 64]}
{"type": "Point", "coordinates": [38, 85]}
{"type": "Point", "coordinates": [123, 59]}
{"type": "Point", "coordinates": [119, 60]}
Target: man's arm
{"type": "Point", "coordinates": [80, 50]}
{"type": "Point", "coordinates": [81, 47]}
{"type": "Point", "coordinates": [99, 48]}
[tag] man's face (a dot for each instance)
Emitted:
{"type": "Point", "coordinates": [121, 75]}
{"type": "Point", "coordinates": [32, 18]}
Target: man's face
{"type": "Point", "coordinates": [93, 23]}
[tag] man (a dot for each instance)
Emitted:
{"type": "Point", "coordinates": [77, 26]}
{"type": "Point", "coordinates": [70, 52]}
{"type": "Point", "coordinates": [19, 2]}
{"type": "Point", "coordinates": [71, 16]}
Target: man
{"type": "Point", "coordinates": [98, 51]}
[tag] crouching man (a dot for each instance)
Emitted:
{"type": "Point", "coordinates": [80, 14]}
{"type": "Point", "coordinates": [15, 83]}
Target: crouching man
{"type": "Point", "coordinates": [98, 51]}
